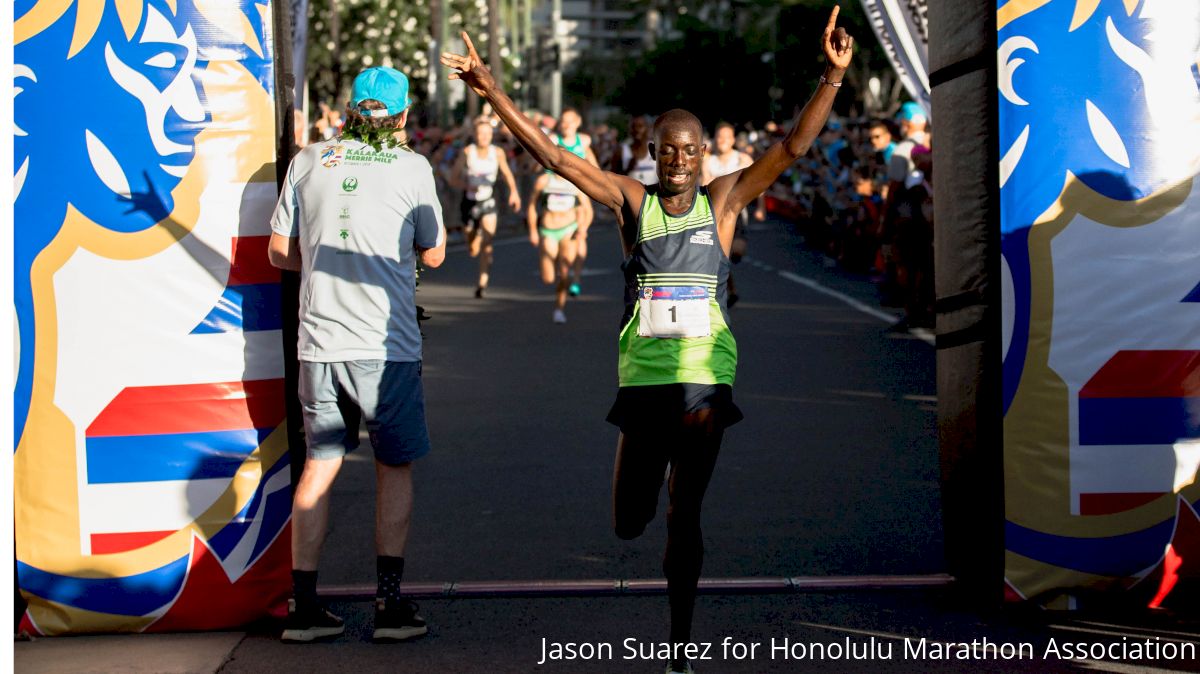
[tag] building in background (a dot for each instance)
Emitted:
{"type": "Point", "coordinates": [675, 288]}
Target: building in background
{"type": "Point", "coordinates": [589, 30]}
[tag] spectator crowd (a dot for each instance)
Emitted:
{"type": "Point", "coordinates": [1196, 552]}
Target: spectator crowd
{"type": "Point", "coordinates": [862, 197]}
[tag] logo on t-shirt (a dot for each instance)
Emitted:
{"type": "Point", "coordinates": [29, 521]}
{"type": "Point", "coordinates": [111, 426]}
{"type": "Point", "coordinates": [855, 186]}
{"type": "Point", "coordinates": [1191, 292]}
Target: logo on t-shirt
{"type": "Point", "coordinates": [333, 156]}
{"type": "Point", "coordinates": [369, 156]}
{"type": "Point", "coordinates": [704, 238]}
{"type": "Point", "coordinates": [350, 184]}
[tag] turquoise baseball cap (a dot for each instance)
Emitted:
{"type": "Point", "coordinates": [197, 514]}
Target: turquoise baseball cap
{"type": "Point", "coordinates": [386, 85]}
{"type": "Point", "coordinates": [910, 111]}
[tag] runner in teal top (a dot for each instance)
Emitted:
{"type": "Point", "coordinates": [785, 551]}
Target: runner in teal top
{"type": "Point", "coordinates": [677, 356]}
{"type": "Point", "coordinates": [580, 145]}
{"type": "Point", "coordinates": [553, 219]}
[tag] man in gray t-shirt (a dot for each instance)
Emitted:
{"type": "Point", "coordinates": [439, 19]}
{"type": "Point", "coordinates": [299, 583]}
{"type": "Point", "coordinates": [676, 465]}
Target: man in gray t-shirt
{"type": "Point", "coordinates": [353, 218]}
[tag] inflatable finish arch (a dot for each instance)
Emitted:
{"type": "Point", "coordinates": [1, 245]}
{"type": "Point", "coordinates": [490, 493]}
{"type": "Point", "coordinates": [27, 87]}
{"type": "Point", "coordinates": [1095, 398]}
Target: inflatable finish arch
{"type": "Point", "coordinates": [151, 470]}
{"type": "Point", "coordinates": [1068, 219]}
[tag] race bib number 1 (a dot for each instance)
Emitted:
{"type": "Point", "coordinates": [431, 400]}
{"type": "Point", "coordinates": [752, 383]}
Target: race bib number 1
{"type": "Point", "coordinates": [674, 312]}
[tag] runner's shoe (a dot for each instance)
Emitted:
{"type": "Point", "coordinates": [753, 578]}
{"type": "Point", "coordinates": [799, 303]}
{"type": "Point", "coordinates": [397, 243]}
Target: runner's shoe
{"type": "Point", "coordinates": [573, 290]}
{"type": "Point", "coordinates": [398, 623]}
{"type": "Point", "coordinates": [479, 293]}
{"type": "Point", "coordinates": [309, 624]}
{"type": "Point", "coordinates": [559, 316]}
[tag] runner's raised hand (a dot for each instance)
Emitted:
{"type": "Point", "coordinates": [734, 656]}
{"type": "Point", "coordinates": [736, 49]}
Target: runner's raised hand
{"type": "Point", "coordinates": [838, 44]}
{"type": "Point", "coordinates": [469, 68]}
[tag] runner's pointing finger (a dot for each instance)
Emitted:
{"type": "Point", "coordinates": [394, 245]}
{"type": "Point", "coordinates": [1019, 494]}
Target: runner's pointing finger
{"type": "Point", "coordinates": [832, 20]}
{"type": "Point", "coordinates": [470, 47]}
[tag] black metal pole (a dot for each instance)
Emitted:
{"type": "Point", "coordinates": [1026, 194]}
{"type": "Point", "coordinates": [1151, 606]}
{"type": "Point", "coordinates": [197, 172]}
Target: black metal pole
{"type": "Point", "coordinates": [967, 278]}
{"type": "Point", "coordinates": [285, 148]}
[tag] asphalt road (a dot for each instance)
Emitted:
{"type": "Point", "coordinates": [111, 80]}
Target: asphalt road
{"type": "Point", "coordinates": [833, 471]}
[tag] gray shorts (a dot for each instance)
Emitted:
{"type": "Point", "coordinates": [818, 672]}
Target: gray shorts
{"type": "Point", "coordinates": [388, 393]}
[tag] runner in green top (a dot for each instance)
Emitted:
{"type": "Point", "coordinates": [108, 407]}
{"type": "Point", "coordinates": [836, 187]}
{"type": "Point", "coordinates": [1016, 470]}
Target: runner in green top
{"type": "Point", "coordinates": [675, 292]}
{"type": "Point", "coordinates": [553, 217]}
{"type": "Point", "coordinates": [677, 356]}
{"type": "Point", "coordinates": [580, 145]}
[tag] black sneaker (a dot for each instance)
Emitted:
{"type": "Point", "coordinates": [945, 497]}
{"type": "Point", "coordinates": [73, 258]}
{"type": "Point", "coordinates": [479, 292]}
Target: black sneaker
{"type": "Point", "coordinates": [309, 624]}
{"type": "Point", "coordinates": [397, 623]}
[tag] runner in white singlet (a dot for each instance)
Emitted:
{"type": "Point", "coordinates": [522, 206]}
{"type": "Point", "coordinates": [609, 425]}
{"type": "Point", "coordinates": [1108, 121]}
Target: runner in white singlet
{"type": "Point", "coordinates": [721, 162]}
{"type": "Point", "coordinates": [475, 172]}
{"type": "Point", "coordinates": [636, 161]}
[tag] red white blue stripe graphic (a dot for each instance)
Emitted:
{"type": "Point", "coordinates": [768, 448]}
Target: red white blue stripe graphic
{"type": "Point", "coordinates": [251, 301]}
{"type": "Point", "coordinates": [190, 431]}
{"type": "Point", "coordinates": [1142, 398]}
{"type": "Point", "coordinates": [1146, 402]}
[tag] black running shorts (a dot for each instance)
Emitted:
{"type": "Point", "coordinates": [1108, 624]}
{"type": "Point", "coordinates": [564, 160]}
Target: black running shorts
{"type": "Point", "coordinates": [638, 407]}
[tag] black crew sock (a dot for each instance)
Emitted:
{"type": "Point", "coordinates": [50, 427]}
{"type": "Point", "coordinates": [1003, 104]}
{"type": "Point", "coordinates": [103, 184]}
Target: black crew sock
{"type": "Point", "coordinates": [390, 571]}
{"type": "Point", "coordinates": [304, 588]}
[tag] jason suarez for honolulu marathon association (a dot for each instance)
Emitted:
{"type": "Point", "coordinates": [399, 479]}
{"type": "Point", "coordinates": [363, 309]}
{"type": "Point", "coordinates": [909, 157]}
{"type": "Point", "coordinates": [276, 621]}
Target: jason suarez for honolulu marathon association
{"type": "Point", "coordinates": [785, 648]}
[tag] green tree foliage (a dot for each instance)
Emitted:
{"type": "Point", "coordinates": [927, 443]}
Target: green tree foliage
{"type": "Point", "coordinates": [346, 36]}
{"type": "Point", "coordinates": [710, 72]}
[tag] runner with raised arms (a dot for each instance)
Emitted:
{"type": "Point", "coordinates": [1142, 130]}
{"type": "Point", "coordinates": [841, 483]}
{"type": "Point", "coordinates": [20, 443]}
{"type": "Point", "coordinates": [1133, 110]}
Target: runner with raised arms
{"type": "Point", "coordinates": [677, 357]}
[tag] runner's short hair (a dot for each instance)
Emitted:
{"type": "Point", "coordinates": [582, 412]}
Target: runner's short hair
{"type": "Point", "coordinates": [675, 117]}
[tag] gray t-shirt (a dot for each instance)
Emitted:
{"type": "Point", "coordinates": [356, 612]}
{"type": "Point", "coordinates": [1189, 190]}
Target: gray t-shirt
{"type": "Point", "coordinates": [359, 215]}
{"type": "Point", "coordinates": [901, 163]}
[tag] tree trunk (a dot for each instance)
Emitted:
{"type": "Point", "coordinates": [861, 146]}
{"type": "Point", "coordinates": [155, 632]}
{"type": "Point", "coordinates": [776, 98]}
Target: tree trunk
{"type": "Point", "coordinates": [437, 25]}
{"type": "Point", "coordinates": [335, 34]}
{"type": "Point", "coordinates": [494, 62]}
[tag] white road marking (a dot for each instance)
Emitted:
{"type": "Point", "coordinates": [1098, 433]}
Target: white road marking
{"type": "Point", "coordinates": [923, 335]}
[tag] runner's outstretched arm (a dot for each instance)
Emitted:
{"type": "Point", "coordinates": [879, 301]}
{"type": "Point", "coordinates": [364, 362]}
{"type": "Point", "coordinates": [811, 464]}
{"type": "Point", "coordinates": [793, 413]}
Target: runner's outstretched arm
{"type": "Point", "coordinates": [735, 191]}
{"type": "Point", "coordinates": [607, 188]}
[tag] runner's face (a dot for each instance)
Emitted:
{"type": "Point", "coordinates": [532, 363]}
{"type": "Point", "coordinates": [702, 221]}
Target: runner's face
{"type": "Point", "coordinates": [724, 139]}
{"type": "Point", "coordinates": [677, 153]}
{"type": "Point", "coordinates": [483, 135]}
{"type": "Point", "coordinates": [638, 129]}
{"type": "Point", "coordinates": [569, 123]}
